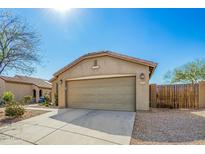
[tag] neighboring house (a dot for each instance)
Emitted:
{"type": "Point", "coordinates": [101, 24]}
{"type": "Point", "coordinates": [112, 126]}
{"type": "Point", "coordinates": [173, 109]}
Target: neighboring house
{"type": "Point", "coordinates": [22, 86]}
{"type": "Point", "coordinates": [104, 80]}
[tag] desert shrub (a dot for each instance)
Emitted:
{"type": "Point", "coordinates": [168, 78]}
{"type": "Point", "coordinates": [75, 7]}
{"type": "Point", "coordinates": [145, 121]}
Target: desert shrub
{"type": "Point", "coordinates": [8, 97]}
{"type": "Point", "coordinates": [47, 101]}
{"type": "Point", "coordinates": [27, 99]}
{"type": "Point", "coordinates": [14, 110]}
{"type": "Point", "coordinates": [47, 98]}
{"type": "Point", "coordinates": [46, 104]}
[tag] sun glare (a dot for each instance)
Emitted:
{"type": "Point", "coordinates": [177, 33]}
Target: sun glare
{"type": "Point", "coordinates": [62, 9]}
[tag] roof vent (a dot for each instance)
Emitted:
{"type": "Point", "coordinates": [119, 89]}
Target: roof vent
{"type": "Point", "coordinates": [95, 64]}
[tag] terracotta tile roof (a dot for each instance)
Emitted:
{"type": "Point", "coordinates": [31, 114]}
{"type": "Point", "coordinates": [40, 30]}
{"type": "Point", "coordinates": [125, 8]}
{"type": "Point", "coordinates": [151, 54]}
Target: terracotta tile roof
{"type": "Point", "coordinates": [28, 80]}
{"type": "Point", "coordinates": [151, 64]}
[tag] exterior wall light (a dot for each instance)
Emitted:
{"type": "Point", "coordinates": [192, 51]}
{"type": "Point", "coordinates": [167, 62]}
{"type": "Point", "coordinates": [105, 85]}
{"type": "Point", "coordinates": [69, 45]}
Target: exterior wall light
{"type": "Point", "coordinates": [142, 76]}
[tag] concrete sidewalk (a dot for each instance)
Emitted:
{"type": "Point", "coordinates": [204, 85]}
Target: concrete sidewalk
{"type": "Point", "coordinates": [71, 126]}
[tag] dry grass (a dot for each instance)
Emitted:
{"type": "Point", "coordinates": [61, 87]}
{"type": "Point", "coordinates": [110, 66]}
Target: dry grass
{"type": "Point", "coordinates": [4, 120]}
{"type": "Point", "coordinates": [169, 126]}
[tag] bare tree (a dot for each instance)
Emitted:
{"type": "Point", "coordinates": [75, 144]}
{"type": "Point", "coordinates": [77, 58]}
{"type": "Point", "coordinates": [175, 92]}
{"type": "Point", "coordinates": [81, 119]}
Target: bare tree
{"type": "Point", "coordinates": [19, 45]}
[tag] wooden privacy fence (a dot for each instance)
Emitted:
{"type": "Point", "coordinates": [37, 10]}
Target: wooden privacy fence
{"type": "Point", "coordinates": [174, 96]}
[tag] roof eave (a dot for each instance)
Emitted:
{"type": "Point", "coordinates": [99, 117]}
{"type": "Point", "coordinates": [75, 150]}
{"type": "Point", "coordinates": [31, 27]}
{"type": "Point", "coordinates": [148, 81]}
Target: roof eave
{"type": "Point", "coordinates": [52, 79]}
{"type": "Point", "coordinates": [88, 56]}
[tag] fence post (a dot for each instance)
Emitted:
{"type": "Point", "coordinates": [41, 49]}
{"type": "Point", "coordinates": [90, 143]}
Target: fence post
{"type": "Point", "coordinates": [201, 94]}
{"type": "Point", "coordinates": [153, 95]}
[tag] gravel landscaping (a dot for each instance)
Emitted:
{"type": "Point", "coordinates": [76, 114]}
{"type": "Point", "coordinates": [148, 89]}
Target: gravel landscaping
{"type": "Point", "coordinates": [42, 106]}
{"type": "Point", "coordinates": [169, 126]}
{"type": "Point", "coordinates": [28, 114]}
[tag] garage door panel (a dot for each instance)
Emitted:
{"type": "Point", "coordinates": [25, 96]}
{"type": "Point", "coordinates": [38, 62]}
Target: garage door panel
{"type": "Point", "coordinates": [108, 94]}
{"type": "Point", "coordinates": [103, 90]}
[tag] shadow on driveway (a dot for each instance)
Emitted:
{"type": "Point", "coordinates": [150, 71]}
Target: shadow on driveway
{"type": "Point", "coordinates": [111, 122]}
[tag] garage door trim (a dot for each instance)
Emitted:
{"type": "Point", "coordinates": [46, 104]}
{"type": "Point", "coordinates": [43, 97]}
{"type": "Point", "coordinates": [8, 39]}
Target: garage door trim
{"type": "Point", "coordinates": [101, 77]}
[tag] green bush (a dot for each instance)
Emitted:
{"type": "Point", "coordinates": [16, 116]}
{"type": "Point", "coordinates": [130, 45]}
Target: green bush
{"type": "Point", "coordinates": [46, 104]}
{"type": "Point", "coordinates": [14, 110]}
{"type": "Point", "coordinates": [47, 99]}
{"type": "Point", "coordinates": [8, 97]}
{"type": "Point", "coordinates": [42, 104]}
{"type": "Point", "coordinates": [27, 99]}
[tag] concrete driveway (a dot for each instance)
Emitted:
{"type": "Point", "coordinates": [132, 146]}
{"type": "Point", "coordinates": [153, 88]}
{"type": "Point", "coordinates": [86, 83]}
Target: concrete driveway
{"type": "Point", "coordinates": [71, 126]}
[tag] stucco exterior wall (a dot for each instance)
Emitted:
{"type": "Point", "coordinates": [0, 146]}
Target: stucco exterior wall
{"type": "Point", "coordinates": [2, 87]}
{"type": "Point", "coordinates": [107, 66]}
{"type": "Point", "coordinates": [54, 90]}
{"type": "Point", "coordinates": [46, 92]}
{"type": "Point", "coordinates": [19, 89]}
{"type": "Point", "coordinates": [142, 92]}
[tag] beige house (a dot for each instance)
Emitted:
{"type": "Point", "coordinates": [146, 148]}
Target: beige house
{"type": "Point", "coordinates": [104, 80]}
{"type": "Point", "coordinates": [22, 86]}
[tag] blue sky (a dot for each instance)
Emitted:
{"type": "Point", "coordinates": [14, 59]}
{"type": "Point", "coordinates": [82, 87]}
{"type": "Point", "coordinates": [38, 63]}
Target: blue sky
{"type": "Point", "coordinates": [170, 37]}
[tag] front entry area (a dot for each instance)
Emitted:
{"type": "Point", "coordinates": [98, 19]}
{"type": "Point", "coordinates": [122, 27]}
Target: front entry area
{"type": "Point", "coordinates": [117, 93]}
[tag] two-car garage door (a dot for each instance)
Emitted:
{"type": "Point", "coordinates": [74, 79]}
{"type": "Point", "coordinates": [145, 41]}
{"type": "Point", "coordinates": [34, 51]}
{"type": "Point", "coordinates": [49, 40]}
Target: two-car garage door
{"type": "Point", "coordinates": [117, 93]}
